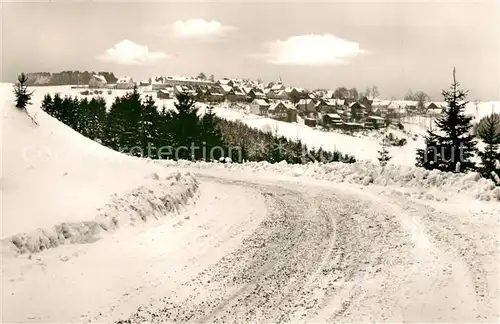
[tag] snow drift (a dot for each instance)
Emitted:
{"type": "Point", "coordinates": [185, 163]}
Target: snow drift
{"type": "Point", "coordinates": [424, 184]}
{"type": "Point", "coordinates": [59, 186]}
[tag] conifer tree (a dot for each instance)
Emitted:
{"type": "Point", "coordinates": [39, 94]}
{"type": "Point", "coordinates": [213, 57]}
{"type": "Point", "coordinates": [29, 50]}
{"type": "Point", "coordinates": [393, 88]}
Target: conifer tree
{"type": "Point", "coordinates": [47, 105]}
{"type": "Point", "coordinates": [383, 154]}
{"type": "Point", "coordinates": [489, 131]}
{"type": "Point", "coordinates": [185, 126]}
{"type": "Point", "coordinates": [453, 141]}
{"type": "Point", "coordinates": [149, 128]}
{"type": "Point", "coordinates": [211, 136]}
{"type": "Point", "coordinates": [23, 96]}
{"type": "Point", "coordinates": [114, 132]}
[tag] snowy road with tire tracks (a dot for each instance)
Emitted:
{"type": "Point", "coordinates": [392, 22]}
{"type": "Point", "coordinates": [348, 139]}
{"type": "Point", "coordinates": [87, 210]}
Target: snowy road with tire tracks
{"type": "Point", "coordinates": [330, 255]}
{"type": "Point", "coordinates": [271, 251]}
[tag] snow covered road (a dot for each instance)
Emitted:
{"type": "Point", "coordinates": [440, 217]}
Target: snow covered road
{"type": "Point", "coordinates": [272, 251]}
{"type": "Point", "coordinates": [330, 255]}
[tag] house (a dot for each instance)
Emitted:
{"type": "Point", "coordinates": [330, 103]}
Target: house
{"type": "Point", "coordinates": [278, 87]}
{"type": "Point", "coordinates": [352, 126]}
{"type": "Point", "coordinates": [375, 122]}
{"type": "Point", "coordinates": [306, 106]}
{"type": "Point", "coordinates": [332, 120]}
{"type": "Point", "coordinates": [291, 115]}
{"type": "Point", "coordinates": [396, 109]}
{"type": "Point", "coordinates": [144, 83]}
{"type": "Point", "coordinates": [125, 83]}
{"type": "Point", "coordinates": [358, 110]}
{"type": "Point", "coordinates": [97, 81]}
{"type": "Point", "coordinates": [366, 102]}
{"type": "Point", "coordinates": [279, 110]}
{"type": "Point", "coordinates": [158, 83]}
{"type": "Point", "coordinates": [163, 94]}
{"type": "Point", "coordinates": [225, 82]}
{"type": "Point", "coordinates": [226, 89]}
{"type": "Point", "coordinates": [259, 107]}
{"type": "Point", "coordinates": [236, 95]}
{"type": "Point", "coordinates": [214, 96]}
{"type": "Point", "coordinates": [326, 106]}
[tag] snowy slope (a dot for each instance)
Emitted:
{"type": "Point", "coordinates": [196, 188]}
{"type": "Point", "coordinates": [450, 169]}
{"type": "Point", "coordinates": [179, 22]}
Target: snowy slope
{"type": "Point", "coordinates": [51, 174]}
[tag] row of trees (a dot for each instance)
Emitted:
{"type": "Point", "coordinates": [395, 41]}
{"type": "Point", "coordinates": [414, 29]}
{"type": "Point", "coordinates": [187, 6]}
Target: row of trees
{"type": "Point", "coordinates": [136, 126]}
{"type": "Point", "coordinates": [452, 146]}
{"type": "Point", "coordinates": [343, 92]}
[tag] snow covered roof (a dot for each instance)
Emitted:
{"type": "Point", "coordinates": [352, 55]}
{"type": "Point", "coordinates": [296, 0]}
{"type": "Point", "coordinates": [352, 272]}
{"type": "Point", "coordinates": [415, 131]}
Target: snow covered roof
{"type": "Point", "coordinates": [260, 102]}
{"type": "Point", "coordinates": [357, 103]}
{"type": "Point", "coordinates": [101, 78]}
{"type": "Point", "coordinates": [333, 116]}
{"type": "Point", "coordinates": [226, 88]}
{"type": "Point", "coordinates": [285, 104]}
{"type": "Point", "coordinates": [277, 86]}
{"type": "Point", "coordinates": [125, 80]}
{"type": "Point", "coordinates": [376, 117]}
{"type": "Point", "coordinates": [224, 81]}
{"type": "Point", "coordinates": [305, 101]}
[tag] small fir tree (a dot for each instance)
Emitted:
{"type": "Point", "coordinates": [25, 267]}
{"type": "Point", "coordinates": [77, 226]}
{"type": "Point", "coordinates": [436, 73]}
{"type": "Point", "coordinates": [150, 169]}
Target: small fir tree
{"type": "Point", "coordinates": [489, 132]}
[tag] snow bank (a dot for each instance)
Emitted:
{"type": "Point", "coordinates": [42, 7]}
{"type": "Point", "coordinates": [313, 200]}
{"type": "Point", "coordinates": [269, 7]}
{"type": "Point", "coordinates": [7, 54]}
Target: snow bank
{"type": "Point", "coordinates": [150, 201]}
{"type": "Point", "coordinates": [423, 183]}
{"type": "Point", "coordinates": [58, 186]}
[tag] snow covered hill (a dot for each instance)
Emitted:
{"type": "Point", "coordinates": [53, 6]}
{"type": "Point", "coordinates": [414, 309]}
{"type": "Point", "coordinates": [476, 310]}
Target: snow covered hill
{"type": "Point", "coordinates": [58, 186]}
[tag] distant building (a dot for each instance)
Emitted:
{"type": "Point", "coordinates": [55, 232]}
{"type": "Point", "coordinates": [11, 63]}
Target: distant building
{"type": "Point", "coordinates": [259, 107]}
{"type": "Point", "coordinates": [374, 122]}
{"type": "Point", "coordinates": [163, 94]}
{"type": "Point", "coordinates": [306, 106]}
{"type": "Point", "coordinates": [125, 83]}
{"type": "Point", "coordinates": [332, 119]}
{"type": "Point", "coordinates": [97, 81]}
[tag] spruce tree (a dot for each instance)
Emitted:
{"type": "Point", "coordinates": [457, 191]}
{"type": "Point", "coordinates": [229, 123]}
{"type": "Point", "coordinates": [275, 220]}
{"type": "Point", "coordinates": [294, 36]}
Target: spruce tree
{"type": "Point", "coordinates": [211, 136]}
{"type": "Point", "coordinates": [185, 127]}
{"type": "Point", "coordinates": [383, 154]}
{"type": "Point", "coordinates": [114, 132]}
{"type": "Point", "coordinates": [57, 107]}
{"type": "Point", "coordinates": [149, 128]}
{"type": "Point", "coordinates": [47, 105]}
{"type": "Point", "coordinates": [489, 131]}
{"type": "Point", "coordinates": [453, 141]}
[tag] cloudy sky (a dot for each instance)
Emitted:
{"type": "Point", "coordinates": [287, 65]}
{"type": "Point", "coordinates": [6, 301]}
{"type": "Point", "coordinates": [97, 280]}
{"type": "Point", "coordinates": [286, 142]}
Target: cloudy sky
{"type": "Point", "coordinates": [395, 46]}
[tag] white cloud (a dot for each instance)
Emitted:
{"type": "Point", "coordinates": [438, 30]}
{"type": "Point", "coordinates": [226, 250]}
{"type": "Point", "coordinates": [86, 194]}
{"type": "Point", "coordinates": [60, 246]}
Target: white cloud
{"type": "Point", "coordinates": [313, 50]}
{"type": "Point", "coordinates": [200, 29]}
{"type": "Point", "coordinates": [129, 53]}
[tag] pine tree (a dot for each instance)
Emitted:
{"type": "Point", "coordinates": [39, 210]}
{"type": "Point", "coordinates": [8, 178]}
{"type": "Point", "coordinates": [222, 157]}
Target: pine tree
{"type": "Point", "coordinates": [57, 107]}
{"type": "Point", "coordinates": [489, 131]}
{"type": "Point", "coordinates": [185, 127]}
{"type": "Point", "coordinates": [23, 97]}
{"type": "Point", "coordinates": [453, 142]}
{"type": "Point", "coordinates": [211, 136]}
{"type": "Point", "coordinates": [149, 128]}
{"type": "Point", "coordinates": [115, 125]}
{"type": "Point", "coordinates": [47, 105]}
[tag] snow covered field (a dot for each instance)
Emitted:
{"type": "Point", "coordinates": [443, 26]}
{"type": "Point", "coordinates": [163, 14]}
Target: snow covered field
{"type": "Point", "coordinates": [52, 175]}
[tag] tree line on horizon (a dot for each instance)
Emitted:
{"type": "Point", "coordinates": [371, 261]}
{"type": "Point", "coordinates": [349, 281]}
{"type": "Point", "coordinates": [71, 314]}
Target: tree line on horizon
{"type": "Point", "coordinates": [136, 126]}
